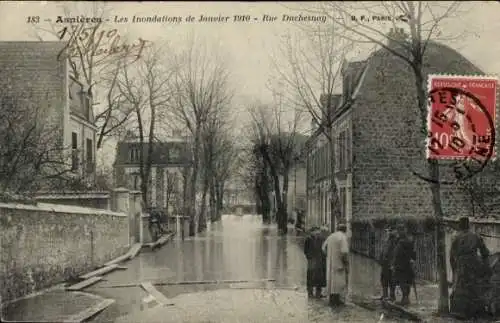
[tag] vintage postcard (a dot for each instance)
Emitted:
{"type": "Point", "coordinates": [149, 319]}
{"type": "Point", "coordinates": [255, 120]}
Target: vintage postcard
{"type": "Point", "coordinates": [249, 161]}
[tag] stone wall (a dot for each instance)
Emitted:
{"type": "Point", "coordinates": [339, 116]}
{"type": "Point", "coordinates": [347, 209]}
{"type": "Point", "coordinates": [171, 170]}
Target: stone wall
{"type": "Point", "coordinates": [45, 244]}
{"type": "Point", "coordinates": [389, 139]}
{"type": "Point", "coordinates": [97, 200]}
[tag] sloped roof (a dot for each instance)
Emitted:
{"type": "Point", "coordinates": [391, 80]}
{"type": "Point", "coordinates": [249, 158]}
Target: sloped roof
{"type": "Point", "coordinates": [162, 153]}
{"type": "Point", "coordinates": [28, 63]}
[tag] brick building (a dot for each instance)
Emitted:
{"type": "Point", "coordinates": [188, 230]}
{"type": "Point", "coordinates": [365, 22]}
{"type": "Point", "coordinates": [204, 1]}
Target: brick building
{"type": "Point", "coordinates": [379, 142]}
{"type": "Point", "coordinates": [37, 69]}
{"type": "Point", "coordinates": [170, 161]}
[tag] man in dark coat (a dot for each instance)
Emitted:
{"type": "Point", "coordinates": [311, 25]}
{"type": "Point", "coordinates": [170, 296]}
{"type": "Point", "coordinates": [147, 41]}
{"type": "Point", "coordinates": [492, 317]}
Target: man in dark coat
{"type": "Point", "coordinates": [386, 276]}
{"type": "Point", "coordinates": [403, 262]}
{"type": "Point", "coordinates": [471, 272]}
{"type": "Point", "coordinates": [316, 262]}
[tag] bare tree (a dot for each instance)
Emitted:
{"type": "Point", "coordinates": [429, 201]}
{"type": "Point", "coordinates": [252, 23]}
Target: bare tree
{"type": "Point", "coordinates": [171, 192]}
{"type": "Point", "coordinates": [201, 87]}
{"type": "Point", "coordinates": [32, 153]}
{"type": "Point", "coordinates": [277, 144]}
{"type": "Point", "coordinates": [312, 71]}
{"type": "Point", "coordinates": [147, 89]}
{"type": "Point", "coordinates": [96, 52]}
{"type": "Point", "coordinates": [219, 156]}
{"type": "Point", "coordinates": [423, 20]}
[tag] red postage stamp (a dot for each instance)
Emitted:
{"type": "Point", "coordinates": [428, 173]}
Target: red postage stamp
{"type": "Point", "coordinates": [461, 117]}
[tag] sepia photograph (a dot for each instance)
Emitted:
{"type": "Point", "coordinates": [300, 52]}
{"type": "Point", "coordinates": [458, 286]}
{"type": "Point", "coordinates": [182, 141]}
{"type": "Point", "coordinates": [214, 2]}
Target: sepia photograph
{"type": "Point", "coordinates": [223, 162]}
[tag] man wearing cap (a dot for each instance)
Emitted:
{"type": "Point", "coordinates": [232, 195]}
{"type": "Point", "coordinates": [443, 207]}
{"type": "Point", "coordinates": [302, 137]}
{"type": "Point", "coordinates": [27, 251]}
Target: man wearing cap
{"type": "Point", "coordinates": [337, 265]}
{"type": "Point", "coordinates": [386, 279]}
{"type": "Point", "coordinates": [403, 262]}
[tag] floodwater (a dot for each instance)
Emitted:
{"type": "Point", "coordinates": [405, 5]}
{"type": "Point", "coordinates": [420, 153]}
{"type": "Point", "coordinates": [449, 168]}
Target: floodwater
{"type": "Point", "coordinates": [239, 270]}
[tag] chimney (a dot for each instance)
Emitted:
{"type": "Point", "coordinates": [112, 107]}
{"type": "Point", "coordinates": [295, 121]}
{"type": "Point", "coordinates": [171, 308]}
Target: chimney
{"type": "Point", "coordinates": [333, 101]}
{"type": "Point", "coordinates": [314, 125]}
{"type": "Point", "coordinates": [176, 133]}
{"type": "Point", "coordinates": [396, 36]}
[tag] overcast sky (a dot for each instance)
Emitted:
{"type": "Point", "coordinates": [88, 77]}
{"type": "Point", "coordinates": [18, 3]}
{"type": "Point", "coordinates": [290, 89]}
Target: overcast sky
{"type": "Point", "coordinates": [247, 45]}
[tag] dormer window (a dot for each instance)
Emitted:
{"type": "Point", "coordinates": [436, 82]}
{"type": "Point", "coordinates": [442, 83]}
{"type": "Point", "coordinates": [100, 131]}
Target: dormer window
{"type": "Point", "coordinates": [134, 154]}
{"type": "Point", "coordinates": [86, 105]}
{"type": "Point", "coordinates": [174, 153]}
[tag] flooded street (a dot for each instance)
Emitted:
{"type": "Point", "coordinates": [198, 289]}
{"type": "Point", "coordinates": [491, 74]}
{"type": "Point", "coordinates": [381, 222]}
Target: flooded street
{"type": "Point", "coordinates": [238, 270]}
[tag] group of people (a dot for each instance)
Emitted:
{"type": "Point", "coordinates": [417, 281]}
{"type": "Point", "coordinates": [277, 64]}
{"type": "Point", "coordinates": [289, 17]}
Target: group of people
{"type": "Point", "coordinates": [328, 263]}
{"type": "Point", "coordinates": [397, 262]}
{"type": "Point", "coordinates": [328, 266]}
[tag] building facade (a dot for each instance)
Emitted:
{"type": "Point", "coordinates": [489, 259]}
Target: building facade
{"type": "Point", "coordinates": [170, 162]}
{"type": "Point", "coordinates": [379, 143]}
{"type": "Point", "coordinates": [40, 70]}
{"type": "Point", "coordinates": [320, 155]}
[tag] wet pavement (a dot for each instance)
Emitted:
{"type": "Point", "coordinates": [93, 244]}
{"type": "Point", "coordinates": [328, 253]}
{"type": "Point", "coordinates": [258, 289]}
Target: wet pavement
{"type": "Point", "coordinates": [239, 270]}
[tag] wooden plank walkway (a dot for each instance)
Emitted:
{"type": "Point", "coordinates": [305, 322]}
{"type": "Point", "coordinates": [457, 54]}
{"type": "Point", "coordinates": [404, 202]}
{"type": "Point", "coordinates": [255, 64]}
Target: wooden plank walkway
{"type": "Point", "coordinates": [159, 297]}
{"type": "Point", "coordinates": [134, 250]}
{"type": "Point", "coordinates": [118, 260]}
{"type": "Point", "coordinates": [85, 283]}
{"type": "Point", "coordinates": [101, 271]}
{"type": "Point", "coordinates": [90, 311]}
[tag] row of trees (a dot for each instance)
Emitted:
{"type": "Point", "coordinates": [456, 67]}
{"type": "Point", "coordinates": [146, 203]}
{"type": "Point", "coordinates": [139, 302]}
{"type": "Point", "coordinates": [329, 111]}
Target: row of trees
{"type": "Point", "coordinates": [155, 93]}
{"type": "Point", "coordinates": [148, 91]}
{"type": "Point", "coordinates": [275, 146]}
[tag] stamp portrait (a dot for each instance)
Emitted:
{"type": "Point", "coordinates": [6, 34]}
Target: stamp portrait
{"type": "Point", "coordinates": [461, 117]}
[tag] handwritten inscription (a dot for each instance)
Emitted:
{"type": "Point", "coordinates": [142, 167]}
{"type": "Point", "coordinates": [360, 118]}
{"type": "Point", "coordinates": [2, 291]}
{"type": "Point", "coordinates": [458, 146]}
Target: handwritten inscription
{"type": "Point", "coordinates": [83, 40]}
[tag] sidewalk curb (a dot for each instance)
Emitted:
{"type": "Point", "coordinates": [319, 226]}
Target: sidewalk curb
{"type": "Point", "coordinates": [403, 311]}
{"type": "Point", "coordinates": [390, 309]}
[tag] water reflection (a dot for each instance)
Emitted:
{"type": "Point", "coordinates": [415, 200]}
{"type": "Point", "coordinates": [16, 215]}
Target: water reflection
{"type": "Point", "coordinates": [236, 248]}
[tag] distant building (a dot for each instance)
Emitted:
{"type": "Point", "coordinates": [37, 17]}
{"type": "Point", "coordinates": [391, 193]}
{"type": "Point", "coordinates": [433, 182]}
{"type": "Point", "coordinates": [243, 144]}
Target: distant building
{"type": "Point", "coordinates": [38, 68]}
{"type": "Point", "coordinates": [374, 151]}
{"type": "Point", "coordinates": [170, 161]}
{"type": "Point", "coordinates": [297, 197]}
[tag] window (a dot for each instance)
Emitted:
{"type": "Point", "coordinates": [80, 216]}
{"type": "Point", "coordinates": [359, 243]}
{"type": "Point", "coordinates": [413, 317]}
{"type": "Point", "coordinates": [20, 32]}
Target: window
{"type": "Point", "coordinates": [348, 146]}
{"type": "Point", "coordinates": [136, 181]}
{"type": "Point", "coordinates": [134, 154]}
{"type": "Point", "coordinates": [342, 150]}
{"type": "Point", "coordinates": [90, 155]}
{"type": "Point", "coordinates": [86, 105]}
{"type": "Point", "coordinates": [342, 201]}
{"type": "Point", "coordinates": [174, 153]}
{"type": "Point", "coordinates": [74, 140]}
{"type": "Point", "coordinates": [74, 151]}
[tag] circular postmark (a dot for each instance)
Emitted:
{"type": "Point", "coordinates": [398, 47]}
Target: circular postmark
{"type": "Point", "coordinates": [470, 131]}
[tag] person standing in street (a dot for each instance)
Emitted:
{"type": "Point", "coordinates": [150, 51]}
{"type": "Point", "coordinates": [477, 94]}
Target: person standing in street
{"type": "Point", "coordinates": [316, 262]}
{"type": "Point", "coordinates": [403, 263]}
{"type": "Point", "coordinates": [336, 249]}
{"type": "Point", "coordinates": [386, 276]}
{"type": "Point", "coordinates": [470, 271]}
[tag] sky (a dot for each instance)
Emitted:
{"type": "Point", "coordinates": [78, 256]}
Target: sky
{"type": "Point", "coordinates": [247, 46]}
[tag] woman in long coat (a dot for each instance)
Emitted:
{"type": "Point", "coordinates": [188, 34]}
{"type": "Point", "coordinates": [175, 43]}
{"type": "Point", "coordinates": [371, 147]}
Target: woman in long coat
{"type": "Point", "coordinates": [316, 262]}
{"type": "Point", "coordinates": [470, 271]}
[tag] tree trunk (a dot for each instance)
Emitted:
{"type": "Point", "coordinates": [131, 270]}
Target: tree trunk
{"type": "Point", "coordinates": [335, 213]}
{"type": "Point", "coordinates": [202, 219]}
{"type": "Point", "coordinates": [433, 167]}
{"type": "Point", "coordinates": [284, 201]}
{"type": "Point", "coordinates": [280, 212]}
{"type": "Point", "coordinates": [443, 305]}
{"type": "Point", "coordinates": [262, 194]}
{"type": "Point", "coordinates": [219, 203]}
{"type": "Point", "coordinates": [192, 189]}
{"type": "Point", "coordinates": [213, 201]}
